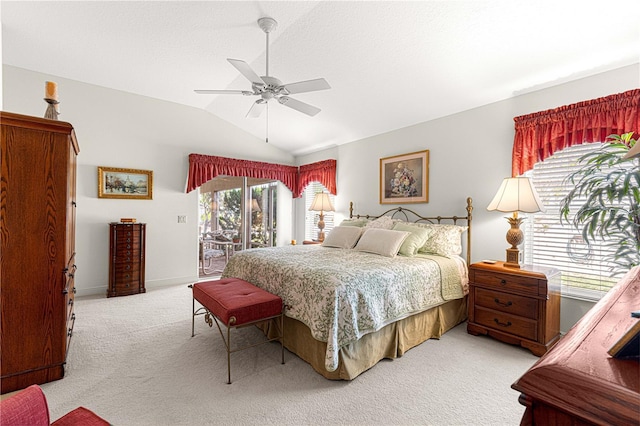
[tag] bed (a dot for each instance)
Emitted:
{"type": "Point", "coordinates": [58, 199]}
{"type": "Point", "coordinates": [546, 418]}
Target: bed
{"type": "Point", "coordinates": [351, 304]}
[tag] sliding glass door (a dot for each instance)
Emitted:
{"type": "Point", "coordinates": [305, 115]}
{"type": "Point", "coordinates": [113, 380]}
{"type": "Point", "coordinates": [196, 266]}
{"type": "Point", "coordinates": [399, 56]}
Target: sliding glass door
{"type": "Point", "coordinates": [238, 208]}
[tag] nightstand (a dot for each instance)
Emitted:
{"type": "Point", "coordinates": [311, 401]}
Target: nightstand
{"type": "Point", "coordinates": [311, 242]}
{"type": "Point", "coordinates": [520, 306]}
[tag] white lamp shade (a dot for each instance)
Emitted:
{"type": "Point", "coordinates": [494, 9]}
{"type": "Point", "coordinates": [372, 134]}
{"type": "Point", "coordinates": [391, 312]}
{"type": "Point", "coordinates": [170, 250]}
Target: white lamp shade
{"type": "Point", "coordinates": [516, 195]}
{"type": "Point", "coordinates": [321, 203]}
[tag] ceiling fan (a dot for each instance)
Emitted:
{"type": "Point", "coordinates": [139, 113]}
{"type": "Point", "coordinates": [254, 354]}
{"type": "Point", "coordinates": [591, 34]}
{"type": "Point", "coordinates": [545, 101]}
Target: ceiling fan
{"type": "Point", "coordinates": [268, 87]}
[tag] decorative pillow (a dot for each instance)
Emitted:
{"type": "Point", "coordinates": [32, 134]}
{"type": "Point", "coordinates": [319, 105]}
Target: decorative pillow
{"type": "Point", "coordinates": [342, 237]}
{"type": "Point", "coordinates": [446, 240]}
{"type": "Point", "coordinates": [383, 222]}
{"type": "Point", "coordinates": [384, 242]}
{"type": "Point", "coordinates": [354, 222]}
{"type": "Point", "coordinates": [417, 238]}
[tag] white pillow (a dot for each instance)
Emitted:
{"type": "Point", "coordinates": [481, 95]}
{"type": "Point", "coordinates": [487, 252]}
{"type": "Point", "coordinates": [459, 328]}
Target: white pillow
{"type": "Point", "coordinates": [384, 242]}
{"type": "Point", "coordinates": [342, 237]}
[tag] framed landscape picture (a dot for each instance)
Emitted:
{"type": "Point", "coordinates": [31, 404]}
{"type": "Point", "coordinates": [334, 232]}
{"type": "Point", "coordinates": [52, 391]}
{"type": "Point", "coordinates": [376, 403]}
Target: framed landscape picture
{"type": "Point", "coordinates": [405, 178]}
{"type": "Point", "coordinates": [131, 184]}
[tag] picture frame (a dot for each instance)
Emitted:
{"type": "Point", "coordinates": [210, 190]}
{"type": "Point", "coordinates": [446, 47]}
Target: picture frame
{"type": "Point", "coordinates": [128, 184]}
{"type": "Point", "coordinates": [404, 178]}
{"type": "Point", "coordinates": [628, 345]}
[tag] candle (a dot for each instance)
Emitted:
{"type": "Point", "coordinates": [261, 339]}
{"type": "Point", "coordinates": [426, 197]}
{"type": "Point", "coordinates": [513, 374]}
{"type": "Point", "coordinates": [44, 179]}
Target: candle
{"type": "Point", "coordinates": [51, 90]}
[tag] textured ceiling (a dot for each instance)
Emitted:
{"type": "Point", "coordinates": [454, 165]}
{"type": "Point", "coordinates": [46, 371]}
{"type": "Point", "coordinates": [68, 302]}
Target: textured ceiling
{"type": "Point", "coordinates": [390, 64]}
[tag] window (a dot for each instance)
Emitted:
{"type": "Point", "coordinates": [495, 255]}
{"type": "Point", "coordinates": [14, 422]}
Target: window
{"type": "Point", "coordinates": [550, 242]}
{"type": "Point", "coordinates": [311, 218]}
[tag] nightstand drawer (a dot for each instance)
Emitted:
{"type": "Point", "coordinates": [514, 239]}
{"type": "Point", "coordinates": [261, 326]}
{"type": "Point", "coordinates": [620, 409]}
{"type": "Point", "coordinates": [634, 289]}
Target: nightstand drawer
{"type": "Point", "coordinates": [506, 282]}
{"type": "Point", "coordinates": [506, 323]}
{"type": "Point", "coordinates": [505, 302]}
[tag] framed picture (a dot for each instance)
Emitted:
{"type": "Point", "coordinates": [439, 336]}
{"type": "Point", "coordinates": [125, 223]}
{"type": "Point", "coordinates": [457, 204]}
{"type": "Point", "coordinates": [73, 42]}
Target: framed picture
{"type": "Point", "coordinates": [131, 184]}
{"type": "Point", "coordinates": [405, 178]}
{"type": "Point", "coordinates": [628, 346]}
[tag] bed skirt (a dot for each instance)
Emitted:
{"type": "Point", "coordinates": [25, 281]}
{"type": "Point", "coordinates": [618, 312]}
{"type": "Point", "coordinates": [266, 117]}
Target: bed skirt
{"type": "Point", "coordinates": [391, 341]}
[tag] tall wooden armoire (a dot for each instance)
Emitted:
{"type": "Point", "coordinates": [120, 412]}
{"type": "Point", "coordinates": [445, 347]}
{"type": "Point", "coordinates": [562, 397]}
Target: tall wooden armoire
{"type": "Point", "coordinates": [37, 251]}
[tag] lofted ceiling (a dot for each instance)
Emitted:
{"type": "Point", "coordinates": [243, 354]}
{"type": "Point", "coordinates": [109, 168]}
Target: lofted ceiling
{"type": "Point", "coordinates": [389, 64]}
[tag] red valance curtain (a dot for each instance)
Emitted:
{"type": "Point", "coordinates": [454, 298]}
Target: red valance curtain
{"type": "Point", "coordinates": [322, 171]}
{"type": "Point", "coordinates": [540, 134]}
{"type": "Point", "coordinates": [203, 168]}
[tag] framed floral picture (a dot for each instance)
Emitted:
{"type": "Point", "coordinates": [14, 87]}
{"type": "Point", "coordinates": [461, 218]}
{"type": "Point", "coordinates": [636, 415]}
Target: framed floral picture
{"type": "Point", "coordinates": [405, 178]}
{"type": "Point", "coordinates": [132, 184]}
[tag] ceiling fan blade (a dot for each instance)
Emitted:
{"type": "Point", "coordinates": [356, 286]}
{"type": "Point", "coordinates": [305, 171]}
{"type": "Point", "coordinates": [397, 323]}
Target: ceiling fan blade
{"type": "Point", "coordinates": [224, 92]}
{"type": "Point", "coordinates": [246, 70]}
{"type": "Point", "coordinates": [307, 86]}
{"type": "Point", "coordinates": [256, 109]}
{"type": "Point", "coordinates": [299, 106]}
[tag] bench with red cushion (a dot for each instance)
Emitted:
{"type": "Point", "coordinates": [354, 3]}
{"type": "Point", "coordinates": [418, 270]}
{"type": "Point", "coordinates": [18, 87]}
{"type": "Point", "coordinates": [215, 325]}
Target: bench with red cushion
{"type": "Point", "coordinates": [236, 303]}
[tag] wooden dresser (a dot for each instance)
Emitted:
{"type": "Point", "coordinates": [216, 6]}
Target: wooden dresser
{"type": "Point", "coordinates": [577, 382]}
{"type": "Point", "coordinates": [520, 306]}
{"type": "Point", "coordinates": [37, 251]}
{"type": "Point", "coordinates": [126, 258]}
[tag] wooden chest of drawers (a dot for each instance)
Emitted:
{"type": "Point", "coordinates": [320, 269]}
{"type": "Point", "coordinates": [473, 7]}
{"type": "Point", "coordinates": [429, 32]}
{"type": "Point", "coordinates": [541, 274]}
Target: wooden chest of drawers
{"type": "Point", "coordinates": [517, 306]}
{"type": "Point", "coordinates": [126, 258]}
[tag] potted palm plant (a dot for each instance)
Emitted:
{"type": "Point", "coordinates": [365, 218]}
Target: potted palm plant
{"type": "Point", "coordinates": [607, 189]}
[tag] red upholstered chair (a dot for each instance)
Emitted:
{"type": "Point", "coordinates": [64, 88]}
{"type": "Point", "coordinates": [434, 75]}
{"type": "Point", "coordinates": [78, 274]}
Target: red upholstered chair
{"type": "Point", "coordinates": [29, 407]}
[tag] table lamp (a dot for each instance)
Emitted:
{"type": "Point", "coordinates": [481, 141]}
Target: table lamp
{"type": "Point", "coordinates": [321, 203]}
{"type": "Point", "coordinates": [515, 195]}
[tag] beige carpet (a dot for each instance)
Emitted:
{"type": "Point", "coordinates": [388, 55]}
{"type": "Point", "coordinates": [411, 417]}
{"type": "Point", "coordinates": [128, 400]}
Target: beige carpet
{"type": "Point", "coordinates": [133, 361]}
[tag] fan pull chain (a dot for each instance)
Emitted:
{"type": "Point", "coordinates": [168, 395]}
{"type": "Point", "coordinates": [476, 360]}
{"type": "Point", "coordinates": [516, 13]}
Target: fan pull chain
{"type": "Point", "coordinates": [267, 138]}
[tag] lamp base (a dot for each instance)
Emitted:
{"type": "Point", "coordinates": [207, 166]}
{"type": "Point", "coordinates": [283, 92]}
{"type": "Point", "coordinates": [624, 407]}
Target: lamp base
{"type": "Point", "coordinates": [513, 258]}
{"type": "Point", "coordinates": [321, 236]}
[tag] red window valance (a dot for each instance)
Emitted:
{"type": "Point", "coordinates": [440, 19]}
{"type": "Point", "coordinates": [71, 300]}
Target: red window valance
{"type": "Point", "coordinates": [322, 171]}
{"type": "Point", "coordinates": [203, 168]}
{"type": "Point", "coordinates": [540, 134]}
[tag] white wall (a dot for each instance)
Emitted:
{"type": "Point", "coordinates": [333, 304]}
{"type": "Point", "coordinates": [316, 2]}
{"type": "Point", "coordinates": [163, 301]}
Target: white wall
{"type": "Point", "coordinates": [470, 154]}
{"type": "Point", "coordinates": [119, 129]}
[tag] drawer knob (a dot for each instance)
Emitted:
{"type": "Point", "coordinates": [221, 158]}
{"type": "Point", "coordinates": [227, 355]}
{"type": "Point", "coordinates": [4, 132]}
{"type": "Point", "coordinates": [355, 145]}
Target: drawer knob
{"type": "Point", "coordinates": [505, 304]}
{"type": "Point", "coordinates": [502, 324]}
{"type": "Point", "coordinates": [503, 282]}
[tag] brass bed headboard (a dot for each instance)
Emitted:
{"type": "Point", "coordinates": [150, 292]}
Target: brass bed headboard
{"type": "Point", "coordinates": [418, 218]}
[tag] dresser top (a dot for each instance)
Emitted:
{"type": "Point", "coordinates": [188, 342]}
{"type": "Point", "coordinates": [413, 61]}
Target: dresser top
{"type": "Point", "coordinates": [534, 271]}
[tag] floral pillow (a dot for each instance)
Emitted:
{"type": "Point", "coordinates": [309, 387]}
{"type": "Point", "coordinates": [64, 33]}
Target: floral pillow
{"type": "Point", "coordinates": [446, 240]}
{"type": "Point", "coordinates": [383, 222]}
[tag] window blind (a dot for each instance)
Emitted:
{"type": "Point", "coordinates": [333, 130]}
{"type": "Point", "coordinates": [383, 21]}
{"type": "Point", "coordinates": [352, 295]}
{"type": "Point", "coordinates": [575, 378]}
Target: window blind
{"type": "Point", "coordinates": [311, 218]}
{"type": "Point", "coordinates": [586, 268]}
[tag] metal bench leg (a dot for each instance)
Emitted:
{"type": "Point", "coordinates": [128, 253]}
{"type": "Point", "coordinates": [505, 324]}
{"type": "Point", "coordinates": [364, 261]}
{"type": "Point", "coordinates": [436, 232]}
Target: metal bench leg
{"type": "Point", "coordinates": [193, 312]}
{"type": "Point", "coordinates": [282, 334]}
{"type": "Point", "coordinates": [229, 354]}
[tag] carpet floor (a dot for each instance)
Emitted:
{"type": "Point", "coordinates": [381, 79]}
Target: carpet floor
{"type": "Point", "coordinates": [133, 361]}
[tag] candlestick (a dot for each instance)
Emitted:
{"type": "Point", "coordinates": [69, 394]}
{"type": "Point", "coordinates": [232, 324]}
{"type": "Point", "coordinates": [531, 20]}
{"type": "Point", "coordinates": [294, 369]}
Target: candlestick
{"type": "Point", "coordinates": [52, 110]}
{"type": "Point", "coordinates": [51, 90]}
